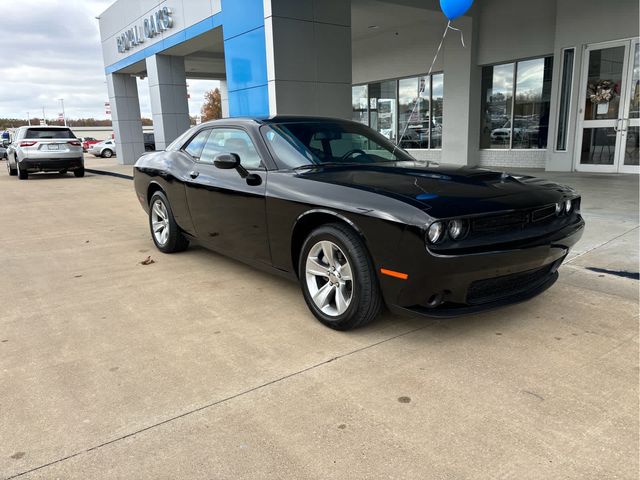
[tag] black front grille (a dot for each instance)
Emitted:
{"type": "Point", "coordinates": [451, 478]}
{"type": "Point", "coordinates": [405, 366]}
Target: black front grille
{"type": "Point", "coordinates": [543, 213]}
{"type": "Point", "coordinates": [513, 221]}
{"type": "Point", "coordinates": [499, 223]}
{"type": "Point", "coordinates": [493, 289]}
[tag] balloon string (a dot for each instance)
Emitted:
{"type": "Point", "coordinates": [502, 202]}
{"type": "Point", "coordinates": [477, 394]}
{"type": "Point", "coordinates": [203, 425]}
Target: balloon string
{"type": "Point", "coordinates": [444, 35]}
{"type": "Point", "coordinates": [457, 30]}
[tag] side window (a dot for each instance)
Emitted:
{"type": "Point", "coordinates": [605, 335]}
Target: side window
{"type": "Point", "coordinates": [227, 140]}
{"type": "Point", "coordinates": [195, 146]}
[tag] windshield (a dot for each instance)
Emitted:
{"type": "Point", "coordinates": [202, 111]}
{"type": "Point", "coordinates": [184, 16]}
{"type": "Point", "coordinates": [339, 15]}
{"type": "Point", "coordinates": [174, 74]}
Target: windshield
{"type": "Point", "coordinates": [298, 144]}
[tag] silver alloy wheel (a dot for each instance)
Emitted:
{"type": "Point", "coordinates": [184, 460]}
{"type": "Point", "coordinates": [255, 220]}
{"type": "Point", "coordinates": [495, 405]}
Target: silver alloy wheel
{"type": "Point", "coordinates": [329, 278]}
{"type": "Point", "coordinates": [160, 222]}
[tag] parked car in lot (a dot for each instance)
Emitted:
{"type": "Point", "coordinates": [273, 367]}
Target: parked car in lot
{"type": "Point", "coordinates": [3, 149]}
{"type": "Point", "coordinates": [87, 142]}
{"type": "Point", "coordinates": [105, 149]}
{"type": "Point", "coordinates": [357, 220]}
{"type": "Point", "coordinates": [44, 149]}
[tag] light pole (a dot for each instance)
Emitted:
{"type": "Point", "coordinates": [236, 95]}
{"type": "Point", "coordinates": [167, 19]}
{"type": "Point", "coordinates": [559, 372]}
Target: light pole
{"type": "Point", "coordinates": [64, 117]}
{"type": "Point", "coordinates": [28, 119]}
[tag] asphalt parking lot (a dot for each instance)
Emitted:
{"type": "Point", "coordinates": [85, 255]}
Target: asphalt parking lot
{"type": "Point", "coordinates": [197, 366]}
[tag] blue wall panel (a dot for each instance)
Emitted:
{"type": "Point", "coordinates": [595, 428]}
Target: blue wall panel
{"type": "Point", "coordinates": [245, 54]}
{"type": "Point", "coordinates": [250, 102]}
{"type": "Point", "coordinates": [241, 16]}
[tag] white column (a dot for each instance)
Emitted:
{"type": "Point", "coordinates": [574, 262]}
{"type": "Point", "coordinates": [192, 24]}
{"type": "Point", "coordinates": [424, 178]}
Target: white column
{"type": "Point", "coordinates": [309, 57]}
{"type": "Point", "coordinates": [168, 94]}
{"type": "Point", "coordinates": [462, 78]}
{"type": "Point", "coordinates": [125, 112]}
{"type": "Point", "coordinates": [224, 98]}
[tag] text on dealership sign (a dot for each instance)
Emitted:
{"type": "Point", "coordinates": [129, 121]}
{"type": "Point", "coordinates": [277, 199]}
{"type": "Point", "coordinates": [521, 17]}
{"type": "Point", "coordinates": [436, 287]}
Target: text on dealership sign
{"type": "Point", "coordinates": [152, 25]}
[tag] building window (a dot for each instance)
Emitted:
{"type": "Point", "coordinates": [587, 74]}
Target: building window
{"type": "Point", "coordinates": [516, 100]}
{"type": "Point", "coordinates": [388, 107]}
{"type": "Point", "coordinates": [383, 108]}
{"type": "Point", "coordinates": [565, 98]}
{"type": "Point", "coordinates": [437, 107]}
{"type": "Point", "coordinates": [359, 104]}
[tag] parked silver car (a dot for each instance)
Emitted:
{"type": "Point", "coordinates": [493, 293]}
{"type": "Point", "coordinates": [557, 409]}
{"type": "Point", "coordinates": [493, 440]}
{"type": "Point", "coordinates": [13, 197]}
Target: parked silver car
{"type": "Point", "coordinates": [44, 149]}
{"type": "Point", "coordinates": [106, 149]}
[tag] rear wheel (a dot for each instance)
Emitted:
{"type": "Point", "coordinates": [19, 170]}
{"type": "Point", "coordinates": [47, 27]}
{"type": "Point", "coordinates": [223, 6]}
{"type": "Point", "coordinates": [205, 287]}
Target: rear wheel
{"type": "Point", "coordinates": [338, 279]}
{"type": "Point", "coordinates": [165, 231]}
{"type": "Point", "coordinates": [78, 172]}
{"type": "Point", "coordinates": [22, 174]}
{"type": "Point", "coordinates": [106, 153]}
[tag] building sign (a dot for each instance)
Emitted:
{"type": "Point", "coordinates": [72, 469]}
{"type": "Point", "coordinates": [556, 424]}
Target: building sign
{"type": "Point", "coordinates": [152, 26]}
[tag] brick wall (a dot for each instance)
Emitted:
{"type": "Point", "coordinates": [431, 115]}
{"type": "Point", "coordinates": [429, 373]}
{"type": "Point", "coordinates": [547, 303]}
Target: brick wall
{"type": "Point", "coordinates": [429, 155]}
{"type": "Point", "coordinates": [513, 158]}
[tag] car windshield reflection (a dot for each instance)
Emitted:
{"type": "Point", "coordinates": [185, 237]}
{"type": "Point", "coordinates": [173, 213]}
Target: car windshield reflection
{"type": "Point", "coordinates": [300, 144]}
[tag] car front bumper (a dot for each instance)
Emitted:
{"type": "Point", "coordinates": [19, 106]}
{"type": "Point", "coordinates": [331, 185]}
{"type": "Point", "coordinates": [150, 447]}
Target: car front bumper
{"type": "Point", "coordinates": [452, 285]}
{"type": "Point", "coordinates": [52, 164]}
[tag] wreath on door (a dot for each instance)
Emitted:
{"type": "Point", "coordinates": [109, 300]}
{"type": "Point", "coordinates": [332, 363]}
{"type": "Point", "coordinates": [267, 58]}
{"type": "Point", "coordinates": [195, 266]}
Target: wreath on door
{"type": "Point", "coordinates": [602, 92]}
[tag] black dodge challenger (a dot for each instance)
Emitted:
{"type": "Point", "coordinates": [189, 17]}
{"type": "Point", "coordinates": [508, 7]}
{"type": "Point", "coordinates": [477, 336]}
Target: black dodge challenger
{"type": "Point", "coordinates": [356, 219]}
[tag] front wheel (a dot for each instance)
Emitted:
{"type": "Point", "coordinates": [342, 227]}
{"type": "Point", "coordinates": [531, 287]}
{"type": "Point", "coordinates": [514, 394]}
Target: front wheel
{"type": "Point", "coordinates": [12, 171]}
{"type": "Point", "coordinates": [106, 153]}
{"type": "Point", "coordinates": [78, 172]}
{"type": "Point", "coordinates": [165, 231]}
{"type": "Point", "coordinates": [338, 279]}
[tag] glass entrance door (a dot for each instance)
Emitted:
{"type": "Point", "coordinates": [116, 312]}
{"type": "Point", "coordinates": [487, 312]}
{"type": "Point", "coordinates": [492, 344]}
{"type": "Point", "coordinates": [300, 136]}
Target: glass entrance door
{"type": "Point", "coordinates": [610, 117]}
{"type": "Point", "coordinates": [630, 156]}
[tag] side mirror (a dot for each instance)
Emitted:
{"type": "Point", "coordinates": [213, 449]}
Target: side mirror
{"type": "Point", "coordinates": [231, 161]}
{"type": "Point", "coordinates": [227, 161]}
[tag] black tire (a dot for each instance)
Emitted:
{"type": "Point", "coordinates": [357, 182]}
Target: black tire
{"type": "Point", "coordinates": [366, 300]}
{"type": "Point", "coordinates": [107, 153]}
{"type": "Point", "coordinates": [63, 171]}
{"type": "Point", "coordinates": [12, 171]}
{"type": "Point", "coordinates": [78, 172]}
{"type": "Point", "coordinates": [22, 175]}
{"type": "Point", "coordinates": [176, 241]}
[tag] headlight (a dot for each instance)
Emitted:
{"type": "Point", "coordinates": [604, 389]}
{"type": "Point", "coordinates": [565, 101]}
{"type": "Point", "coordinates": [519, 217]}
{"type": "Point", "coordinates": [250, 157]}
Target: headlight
{"type": "Point", "coordinates": [456, 229]}
{"type": "Point", "coordinates": [568, 206]}
{"type": "Point", "coordinates": [435, 232]}
{"type": "Point", "coordinates": [559, 208]}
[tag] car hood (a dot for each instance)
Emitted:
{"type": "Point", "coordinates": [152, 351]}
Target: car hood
{"type": "Point", "coordinates": [444, 190]}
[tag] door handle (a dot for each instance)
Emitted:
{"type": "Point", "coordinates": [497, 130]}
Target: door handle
{"type": "Point", "coordinates": [617, 127]}
{"type": "Point", "coordinates": [194, 174]}
{"type": "Point", "coordinates": [625, 124]}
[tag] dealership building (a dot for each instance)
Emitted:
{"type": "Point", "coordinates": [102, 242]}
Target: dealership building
{"type": "Point", "coordinates": [550, 84]}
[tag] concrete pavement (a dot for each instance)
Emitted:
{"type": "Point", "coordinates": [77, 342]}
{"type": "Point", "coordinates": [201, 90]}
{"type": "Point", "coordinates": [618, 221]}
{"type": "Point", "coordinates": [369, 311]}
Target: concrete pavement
{"type": "Point", "coordinates": [198, 366]}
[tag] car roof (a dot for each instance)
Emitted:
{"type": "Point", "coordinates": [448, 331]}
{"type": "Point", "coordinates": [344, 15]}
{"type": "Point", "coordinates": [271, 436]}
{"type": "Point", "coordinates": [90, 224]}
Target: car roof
{"type": "Point", "coordinates": [276, 119]}
{"type": "Point", "coordinates": [50, 127]}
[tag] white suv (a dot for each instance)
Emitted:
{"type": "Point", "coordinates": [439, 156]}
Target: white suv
{"type": "Point", "coordinates": [44, 149]}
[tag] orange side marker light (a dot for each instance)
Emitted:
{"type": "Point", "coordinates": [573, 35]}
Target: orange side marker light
{"type": "Point", "coordinates": [391, 273]}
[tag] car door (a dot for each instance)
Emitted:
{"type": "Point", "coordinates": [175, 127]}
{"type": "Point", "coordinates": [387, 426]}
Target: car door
{"type": "Point", "coordinates": [229, 213]}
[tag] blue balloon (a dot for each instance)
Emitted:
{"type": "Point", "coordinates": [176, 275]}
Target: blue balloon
{"type": "Point", "coordinates": [455, 8]}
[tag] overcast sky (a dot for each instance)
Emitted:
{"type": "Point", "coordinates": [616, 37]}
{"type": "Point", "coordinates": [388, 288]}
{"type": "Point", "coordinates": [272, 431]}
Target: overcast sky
{"type": "Point", "coordinates": [51, 50]}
